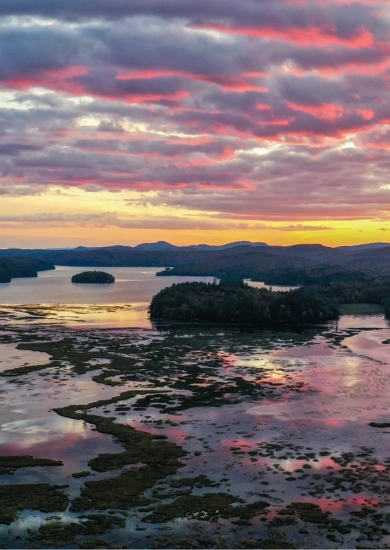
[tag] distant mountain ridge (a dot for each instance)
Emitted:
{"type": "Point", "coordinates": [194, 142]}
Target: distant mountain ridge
{"type": "Point", "coordinates": [246, 259]}
{"type": "Point", "coordinates": [365, 246]}
{"type": "Point", "coordinates": [225, 246]}
{"type": "Point", "coordinates": [164, 245]}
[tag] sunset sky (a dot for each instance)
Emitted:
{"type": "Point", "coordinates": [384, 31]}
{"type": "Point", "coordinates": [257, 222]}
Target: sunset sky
{"type": "Point", "coordinates": [128, 121]}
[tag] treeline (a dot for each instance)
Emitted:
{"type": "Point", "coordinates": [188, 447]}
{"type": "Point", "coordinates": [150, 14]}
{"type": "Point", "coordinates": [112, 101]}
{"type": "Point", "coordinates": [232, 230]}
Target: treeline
{"type": "Point", "coordinates": [347, 286]}
{"type": "Point", "coordinates": [286, 274]}
{"type": "Point", "coordinates": [11, 268]}
{"type": "Point", "coordinates": [243, 262]}
{"type": "Point", "coordinates": [210, 261]}
{"type": "Point", "coordinates": [343, 284]}
{"type": "Point", "coordinates": [93, 277]}
{"type": "Point", "coordinates": [239, 303]}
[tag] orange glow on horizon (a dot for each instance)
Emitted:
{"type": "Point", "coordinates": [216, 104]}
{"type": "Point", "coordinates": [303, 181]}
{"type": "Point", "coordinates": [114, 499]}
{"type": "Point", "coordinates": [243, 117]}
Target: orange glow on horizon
{"type": "Point", "coordinates": [53, 237]}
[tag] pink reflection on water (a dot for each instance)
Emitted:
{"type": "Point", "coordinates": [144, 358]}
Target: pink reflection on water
{"type": "Point", "coordinates": [333, 422]}
{"type": "Point", "coordinates": [228, 361]}
{"type": "Point", "coordinates": [52, 448]}
{"type": "Point", "coordinates": [323, 463]}
{"type": "Point", "coordinates": [317, 350]}
{"type": "Point", "coordinates": [242, 443]}
{"type": "Point", "coordinates": [172, 432]}
{"type": "Point", "coordinates": [351, 502]}
{"type": "Point", "coordinates": [276, 380]}
{"type": "Point", "coordinates": [74, 449]}
{"type": "Point", "coordinates": [328, 505]}
{"type": "Point", "coordinates": [370, 344]}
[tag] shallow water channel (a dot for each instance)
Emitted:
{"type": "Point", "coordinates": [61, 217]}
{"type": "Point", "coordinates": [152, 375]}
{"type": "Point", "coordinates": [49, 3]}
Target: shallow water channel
{"type": "Point", "coordinates": [191, 436]}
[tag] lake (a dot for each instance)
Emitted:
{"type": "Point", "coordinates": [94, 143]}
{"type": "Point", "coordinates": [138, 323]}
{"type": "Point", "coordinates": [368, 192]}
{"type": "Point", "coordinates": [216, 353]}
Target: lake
{"type": "Point", "coordinates": [166, 436]}
{"type": "Point", "coordinates": [131, 293]}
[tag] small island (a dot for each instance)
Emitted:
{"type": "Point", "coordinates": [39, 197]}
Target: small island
{"type": "Point", "coordinates": [235, 302]}
{"type": "Point", "coordinates": [93, 277]}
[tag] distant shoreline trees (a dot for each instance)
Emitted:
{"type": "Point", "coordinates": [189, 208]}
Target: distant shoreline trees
{"type": "Point", "coordinates": [93, 277]}
{"type": "Point", "coordinates": [345, 285]}
{"type": "Point", "coordinates": [15, 267]}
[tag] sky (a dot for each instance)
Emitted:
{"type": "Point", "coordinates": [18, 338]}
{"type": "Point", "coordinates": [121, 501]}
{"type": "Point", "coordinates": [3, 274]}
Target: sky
{"type": "Point", "coordinates": [193, 121]}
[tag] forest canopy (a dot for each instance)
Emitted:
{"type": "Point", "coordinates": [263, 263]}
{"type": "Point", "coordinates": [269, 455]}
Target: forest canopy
{"type": "Point", "coordinates": [12, 268]}
{"type": "Point", "coordinates": [93, 277]}
{"type": "Point", "coordinates": [238, 303]}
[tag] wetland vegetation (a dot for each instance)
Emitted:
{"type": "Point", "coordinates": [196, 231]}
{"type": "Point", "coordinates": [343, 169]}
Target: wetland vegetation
{"type": "Point", "coordinates": [192, 435]}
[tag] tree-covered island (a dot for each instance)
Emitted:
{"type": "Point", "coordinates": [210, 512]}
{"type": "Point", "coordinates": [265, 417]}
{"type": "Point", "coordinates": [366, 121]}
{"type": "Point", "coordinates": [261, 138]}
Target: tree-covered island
{"type": "Point", "coordinates": [345, 285]}
{"type": "Point", "coordinates": [232, 302]}
{"type": "Point", "coordinates": [93, 277]}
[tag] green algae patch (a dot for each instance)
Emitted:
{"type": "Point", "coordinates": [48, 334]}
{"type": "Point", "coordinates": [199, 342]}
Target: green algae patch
{"type": "Point", "coordinates": [10, 463]}
{"type": "Point", "coordinates": [78, 475]}
{"type": "Point", "coordinates": [159, 458]}
{"type": "Point", "coordinates": [209, 507]}
{"type": "Point", "coordinates": [200, 481]}
{"type": "Point", "coordinates": [73, 409]}
{"type": "Point", "coordinates": [121, 492]}
{"type": "Point", "coordinates": [56, 535]}
{"type": "Point", "coordinates": [247, 511]}
{"type": "Point", "coordinates": [40, 496]}
{"type": "Point", "coordinates": [19, 371]}
{"type": "Point", "coordinates": [64, 351]}
{"type": "Point", "coordinates": [140, 446]}
{"type": "Point", "coordinates": [276, 539]}
{"type": "Point", "coordinates": [306, 511]}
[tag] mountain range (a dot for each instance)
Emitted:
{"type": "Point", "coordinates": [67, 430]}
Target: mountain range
{"type": "Point", "coordinates": [256, 260]}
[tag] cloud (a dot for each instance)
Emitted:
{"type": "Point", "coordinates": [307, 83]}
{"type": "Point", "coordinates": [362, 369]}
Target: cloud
{"type": "Point", "coordinates": [300, 227]}
{"type": "Point", "coordinates": [113, 219]}
{"type": "Point", "coordinates": [244, 111]}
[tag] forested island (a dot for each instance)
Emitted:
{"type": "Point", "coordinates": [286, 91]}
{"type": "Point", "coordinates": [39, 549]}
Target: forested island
{"type": "Point", "coordinates": [344, 284]}
{"type": "Point", "coordinates": [93, 277]}
{"type": "Point", "coordinates": [12, 268]}
{"type": "Point", "coordinates": [235, 302]}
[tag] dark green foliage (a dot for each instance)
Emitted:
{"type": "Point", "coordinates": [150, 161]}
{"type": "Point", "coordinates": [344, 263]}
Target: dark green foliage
{"type": "Point", "coordinates": [11, 268]}
{"type": "Point", "coordinates": [227, 303]}
{"type": "Point", "coordinates": [35, 496]}
{"type": "Point", "coordinates": [231, 280]}
{"type": "Point", "coordinates": [93, 277]}
{"type": "Point", "coordinates": [345, 285]}
{"type": "Point", "coordinates": [24, 461]}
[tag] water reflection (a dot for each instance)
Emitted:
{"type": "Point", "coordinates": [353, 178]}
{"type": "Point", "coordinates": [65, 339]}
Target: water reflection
{"type": "Point", "coordinates": [280, 417]}
{"type": "Point", "coordinates": [133, 284]}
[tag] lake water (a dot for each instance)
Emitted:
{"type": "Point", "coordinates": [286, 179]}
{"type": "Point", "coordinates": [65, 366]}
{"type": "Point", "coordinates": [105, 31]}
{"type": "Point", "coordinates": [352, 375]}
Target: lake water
{"type": "Point", "coordinates": [131, 293]}
{"type": "Point", "coordinates": [268, 434]}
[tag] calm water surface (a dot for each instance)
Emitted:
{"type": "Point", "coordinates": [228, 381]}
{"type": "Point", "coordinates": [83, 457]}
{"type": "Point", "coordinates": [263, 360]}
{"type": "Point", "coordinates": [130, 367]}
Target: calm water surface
{"type": "Point", "coordinates": [131, 293]}
{"type": "Point", "coordinates": [277, 417]}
